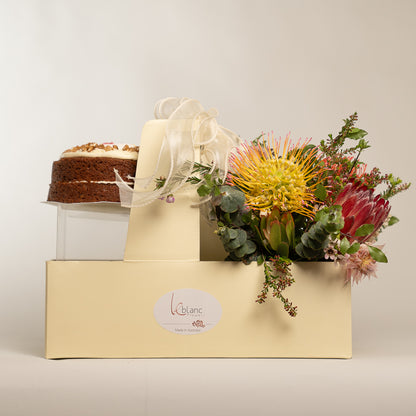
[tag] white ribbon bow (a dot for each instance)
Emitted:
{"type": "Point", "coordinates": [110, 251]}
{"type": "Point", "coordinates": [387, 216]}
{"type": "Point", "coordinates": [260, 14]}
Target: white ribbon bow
{"type": "Point", "coordinates": [215, 143]}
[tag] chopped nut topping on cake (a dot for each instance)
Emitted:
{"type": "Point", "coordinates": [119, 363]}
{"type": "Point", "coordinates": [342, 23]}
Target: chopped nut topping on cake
{"type": "Point", "coordinates": [130, 149]}
{"type": "Point", "coordinates": [89, 147]}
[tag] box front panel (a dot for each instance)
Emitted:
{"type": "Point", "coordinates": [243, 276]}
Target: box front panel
{"type": "Point", "coordinates": [106, 309]}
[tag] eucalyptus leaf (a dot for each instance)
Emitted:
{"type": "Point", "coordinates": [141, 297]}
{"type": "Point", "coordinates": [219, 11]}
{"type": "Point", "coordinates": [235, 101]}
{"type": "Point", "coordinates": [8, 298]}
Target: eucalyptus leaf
{"type": "Point", "coordinates": [315, 244]}
{"type": "Point", "coordinates": [333, 227]}
{"type": "Point", "coordinates": [247, 248]}
{"type": "Point", "coordinates": [232, 233]}
{"type": "Point", "coordinates": [236, 219]}
{"type": "Point", "coordinates": [241, 237]}
{"type": "Point", "coordinates": [225, 236]}
{"type": "Point", "coordinates": [251, 246]}
{"type": "Point", "coordinates": [319, 233]}
{"type": "Point", "coordinates": [308, 253]}
{"type": "Point", "coordinates": [233, 244]}
{"type": "Point", "coordinates": [241, 251]}
{"type": "Point", "coordinates": [231, 199]}
{"type": "Point", "coordinates": [310, 242]}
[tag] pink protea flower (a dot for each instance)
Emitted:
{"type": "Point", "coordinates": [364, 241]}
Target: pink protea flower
{"type": "Point", "coordinates": [359, 265]}
{"type": "Point", "coordinates": [359, 207]}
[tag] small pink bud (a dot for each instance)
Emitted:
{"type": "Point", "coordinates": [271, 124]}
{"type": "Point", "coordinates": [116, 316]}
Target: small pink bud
{"type": "Point", "coordinates": [170, 199]}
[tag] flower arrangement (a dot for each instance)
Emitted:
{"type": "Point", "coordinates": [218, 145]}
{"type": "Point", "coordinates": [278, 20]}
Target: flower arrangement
{"type": "Point", "coordinates": [285, 201]}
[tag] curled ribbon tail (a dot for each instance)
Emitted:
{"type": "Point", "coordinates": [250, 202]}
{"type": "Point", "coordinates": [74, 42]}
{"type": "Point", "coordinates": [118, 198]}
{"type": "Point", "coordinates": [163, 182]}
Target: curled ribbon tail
{"type": "Point", "coordinates": [125, 191]}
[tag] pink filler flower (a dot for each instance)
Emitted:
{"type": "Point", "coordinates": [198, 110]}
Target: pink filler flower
{"type": "Point", "coordinates": [359, 265]}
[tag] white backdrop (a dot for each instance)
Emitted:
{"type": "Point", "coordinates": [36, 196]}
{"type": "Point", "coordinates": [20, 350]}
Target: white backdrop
{"type": "Point", "coordinates": [73, 71]}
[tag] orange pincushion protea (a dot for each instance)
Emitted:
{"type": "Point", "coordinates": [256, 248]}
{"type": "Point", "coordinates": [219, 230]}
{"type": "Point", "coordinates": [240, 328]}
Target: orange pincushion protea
{"type": "Point", "coordinates": [273, 180]}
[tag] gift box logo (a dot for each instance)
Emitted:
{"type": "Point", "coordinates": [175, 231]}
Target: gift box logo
{"type": "Point", "coordinates": [178, 308]}
{"type": "Point", "coordinates": [187, 311]}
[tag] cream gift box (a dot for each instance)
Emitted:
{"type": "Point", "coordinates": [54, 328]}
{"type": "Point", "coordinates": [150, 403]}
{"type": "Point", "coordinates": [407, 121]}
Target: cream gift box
{"type": "Point", "coordinates": [172, 296]}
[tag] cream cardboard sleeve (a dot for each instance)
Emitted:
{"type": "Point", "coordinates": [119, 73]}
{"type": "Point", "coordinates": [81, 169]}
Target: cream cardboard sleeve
{"type": "Point", "coordinates": [174, 296]}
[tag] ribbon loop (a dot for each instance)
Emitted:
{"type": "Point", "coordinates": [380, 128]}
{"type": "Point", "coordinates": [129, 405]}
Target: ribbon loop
{"type": "Point", "coordinates": [189, 126]}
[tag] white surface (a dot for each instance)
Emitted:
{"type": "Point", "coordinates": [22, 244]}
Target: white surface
{"type": "Point", "coordinates": [379, 382]}
{"type": "Point", "coordinates": [77, 70]}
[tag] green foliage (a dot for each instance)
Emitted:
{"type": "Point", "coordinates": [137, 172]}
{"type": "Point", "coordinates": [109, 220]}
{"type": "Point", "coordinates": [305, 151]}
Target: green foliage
{"type": "Point", "coordinates": [394, 186]}
{"type": "Point", "coordinates": [235, 242]}
{"type": "Point", "coordinates": [209, 183]}
{"type": "Point", "coordinates": [321, 192]}
{"type": "Point", "coordinates": [232, 199]}
{"type": "Point", "coordinates": [204, 190]}
{"type": "Point", "coordinates": [377, 254]}
{"type": "Point", "coordinates": [277, 277]}
{"type": "Point", "coordinates": [346, 248]}
{"type": "Point", "coordinates": [160, 182]}
{"type": "Point", "coordinates": [237, 225]}
{"type": "Point", "coordinates": [393, 220]}
{"type": "Point", "coordinates": [276, 238]}
{"type": "Point", "coordinates": [354, 247]}
{"type": "Point", "coordinates": [364, 229]}
{"type": "Point", "coordinates": [342, 163]}
{"type": "Point", "coordinates": [356, 134]}
{"type": "Point", "coordinates": [259, 140]}
{"type": "Point", "coordinates": [334, 146]}
{"type": "Point", "coordinates": [329, 221]}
